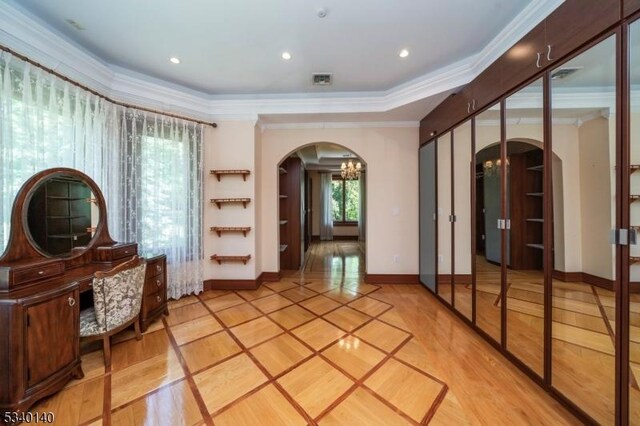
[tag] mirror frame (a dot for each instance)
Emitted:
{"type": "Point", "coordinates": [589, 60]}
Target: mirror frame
{"type": "Point", "coordinates": [21, 244]}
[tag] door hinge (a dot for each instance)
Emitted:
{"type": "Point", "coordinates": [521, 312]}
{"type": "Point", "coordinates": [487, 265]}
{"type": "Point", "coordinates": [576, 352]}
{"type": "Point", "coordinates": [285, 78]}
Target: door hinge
{"type": "Point", "coordinates": [501, 224]}
{"type": "Point", "coordinates": [507, 223]}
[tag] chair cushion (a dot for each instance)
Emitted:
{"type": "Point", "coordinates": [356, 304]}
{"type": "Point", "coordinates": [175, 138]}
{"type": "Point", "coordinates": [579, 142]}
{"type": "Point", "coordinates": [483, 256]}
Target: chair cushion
{"type": "Point", "coordinates": [88, 324]}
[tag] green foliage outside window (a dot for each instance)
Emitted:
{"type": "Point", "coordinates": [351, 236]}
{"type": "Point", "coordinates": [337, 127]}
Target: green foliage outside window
{"type": "Point", "coordinates": [346, 200]}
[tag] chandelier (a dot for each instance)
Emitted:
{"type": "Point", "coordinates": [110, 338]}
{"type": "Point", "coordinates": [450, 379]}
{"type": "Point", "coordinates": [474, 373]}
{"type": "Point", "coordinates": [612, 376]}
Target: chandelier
{"type": "Point", "coordinates": [350, 171]}
{"type": "Point", "coordinates": [492, 168]}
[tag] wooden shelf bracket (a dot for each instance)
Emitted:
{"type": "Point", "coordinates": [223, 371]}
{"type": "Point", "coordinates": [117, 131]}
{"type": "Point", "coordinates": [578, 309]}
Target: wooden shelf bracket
{"type": "Point", "coordinates": [220, 259]}
{"type": "Point", "coordinates": [220, 229]}
{"type": "Point", "coordinates": [220, 201]}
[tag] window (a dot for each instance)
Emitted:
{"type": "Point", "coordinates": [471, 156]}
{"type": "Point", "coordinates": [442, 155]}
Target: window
{"type": "Point", "coordinates": [346, 201]}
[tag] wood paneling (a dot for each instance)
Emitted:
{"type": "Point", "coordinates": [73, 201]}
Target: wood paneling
{"type": "Point", "coordinates": [630, 7]}
{"type": "Point", "coordinates": [577, 21]}
{"type": "Point", "coordinates": [520, 63]}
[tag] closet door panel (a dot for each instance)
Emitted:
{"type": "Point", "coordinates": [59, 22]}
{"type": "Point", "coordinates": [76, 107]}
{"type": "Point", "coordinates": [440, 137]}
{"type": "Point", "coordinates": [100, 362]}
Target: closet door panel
{"type": "Point", "coordinates": [444, 214]}
{"type": "Point", "coordinates": [584, 165]}
{"type": "Point", "coordinates": [488, 210]}
{"type": "Point", "coordinates": [428, 230]}
{"type": "Point", "coordinates": [525, 289]}
{"type": "Point", "coordinates": [634, 222]}
{"type": "Point", "coordinates": [462, 164]}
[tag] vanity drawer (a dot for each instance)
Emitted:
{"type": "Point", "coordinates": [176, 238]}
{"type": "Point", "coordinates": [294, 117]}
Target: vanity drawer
{"type": "Point", "coordinates": [154, 285]}
{"type": "Point", "coordinates": [115, 252]}
{"type": "Point", "coordinates": [154, 301]}
{"type": "Point", "coordinates": [156, 267]}
{"type": "Point", "coordinates": [37, 272]}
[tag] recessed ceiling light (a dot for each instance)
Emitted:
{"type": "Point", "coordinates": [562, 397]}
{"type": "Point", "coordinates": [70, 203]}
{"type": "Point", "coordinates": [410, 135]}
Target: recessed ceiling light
{"type": "Point", "coordinates": [286, 56]}
{"type": "Point", "coordinates": [404, 53]}
{"type": "Point", "coordinates": [174, 60]}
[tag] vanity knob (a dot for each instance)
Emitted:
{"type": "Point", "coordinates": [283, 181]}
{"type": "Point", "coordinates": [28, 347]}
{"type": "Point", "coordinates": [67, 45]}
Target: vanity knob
{"type": "Point", "coordinates": [72, 301]}
{"type": "Point", "coordinates": [158, 299]}
{"type": "Point", "coordinates": [126, 252]}
{"type": "Point", "coordinates": [40, 272]}
{"type": "Point", "coordinates": [158, 283]}
{"type": "Point", "coordinates": [158, 268]}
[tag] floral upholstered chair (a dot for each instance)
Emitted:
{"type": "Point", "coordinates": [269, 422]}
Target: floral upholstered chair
{"type": "Point", "coordinates": [117, 297]}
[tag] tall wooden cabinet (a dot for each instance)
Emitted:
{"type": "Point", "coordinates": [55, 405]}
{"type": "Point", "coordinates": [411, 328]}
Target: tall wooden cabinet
{"type": "Point", "coordinates": [291, 225]}
{"type": "Point", "coordinates": [555, 187]}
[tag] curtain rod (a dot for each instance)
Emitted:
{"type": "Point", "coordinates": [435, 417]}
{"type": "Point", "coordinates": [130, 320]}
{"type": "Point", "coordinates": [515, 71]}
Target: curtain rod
{"type": "Point", "coordinates": [83, 87]}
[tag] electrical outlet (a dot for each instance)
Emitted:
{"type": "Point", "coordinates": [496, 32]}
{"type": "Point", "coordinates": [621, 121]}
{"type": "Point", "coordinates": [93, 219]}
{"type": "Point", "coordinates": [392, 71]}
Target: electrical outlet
{"type": "Point", "coordinates": [440, 258]}
{"type": "Point", "coordinates": [396, 258]}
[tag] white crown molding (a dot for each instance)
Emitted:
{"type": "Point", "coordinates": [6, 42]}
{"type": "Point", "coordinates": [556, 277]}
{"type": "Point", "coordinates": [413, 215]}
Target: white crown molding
{"type": "Point", "coordinates": [341, 125]}
{"type": "Point", "coordinates": [29, 36]}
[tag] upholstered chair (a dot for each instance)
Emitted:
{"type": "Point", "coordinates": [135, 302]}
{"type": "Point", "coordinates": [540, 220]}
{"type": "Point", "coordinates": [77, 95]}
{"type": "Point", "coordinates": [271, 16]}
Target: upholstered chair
{"type": "Point", "coordinates": [117, 297]}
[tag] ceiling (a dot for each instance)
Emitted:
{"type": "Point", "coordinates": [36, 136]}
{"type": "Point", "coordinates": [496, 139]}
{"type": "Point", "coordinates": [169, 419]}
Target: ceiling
{"type": "Point", "coordinates": [325, 156]}
{"type": "Point", "coordinates": [235, 47]}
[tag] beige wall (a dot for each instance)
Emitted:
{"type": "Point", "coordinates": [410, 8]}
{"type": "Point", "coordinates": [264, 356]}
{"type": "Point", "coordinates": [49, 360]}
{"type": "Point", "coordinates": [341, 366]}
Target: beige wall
{"type": "Point", "coordinates": [392, 173]}
{"type": "Point", "coordinates": [230, 146]}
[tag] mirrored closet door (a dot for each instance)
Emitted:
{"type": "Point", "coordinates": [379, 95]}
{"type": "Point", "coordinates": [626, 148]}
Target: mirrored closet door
{"type": "Point", "coordinates": [445, 212]}
{"type": "Point", "coordinates": [633, 340]}
{"type": "Point", "coordinates": [524, 122]}
{"type": "Point", "coordinates": [488, 211]}
{"type": "Point", "coordinates": [461, 179]}
{"type": "Point", "coordinates": [583, 141]}
{"type": "Point", "coordinates": [428, 215]}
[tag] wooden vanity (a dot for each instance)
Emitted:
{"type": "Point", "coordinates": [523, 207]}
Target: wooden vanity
{"type": "Point", "coordinates": [58, 241]}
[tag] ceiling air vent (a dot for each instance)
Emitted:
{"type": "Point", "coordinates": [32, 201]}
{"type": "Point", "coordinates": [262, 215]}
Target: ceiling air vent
{"type": "Point", "coordinates": [563, 73]}
{"type": "Point", "coordinates": [322, 79]}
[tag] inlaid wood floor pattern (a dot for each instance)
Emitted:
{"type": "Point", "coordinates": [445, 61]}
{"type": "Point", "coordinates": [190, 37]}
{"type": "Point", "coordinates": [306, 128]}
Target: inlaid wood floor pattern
{"type": "Point", "coordinates": [312, 351]}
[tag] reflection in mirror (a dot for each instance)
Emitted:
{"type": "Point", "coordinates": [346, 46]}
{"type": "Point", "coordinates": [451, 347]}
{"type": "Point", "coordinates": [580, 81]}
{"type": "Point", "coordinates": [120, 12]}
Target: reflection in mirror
{"type": "Point", "coordinates": [583, 98]}
{"type": "Point", "coordinates": [524, 117]}
{"type": "Point", "coordinates": [428, 215]}
{"type": "Point", "coordinates": [488, 169]}
{"type": "Point", "coordinates": [62, 215]}
{"type": "Point", "coordinates": [444, 211]}
{"type": "Point", "coordinates": [634, 217]}
{"type": "Point", "coordinates": [462, 224]}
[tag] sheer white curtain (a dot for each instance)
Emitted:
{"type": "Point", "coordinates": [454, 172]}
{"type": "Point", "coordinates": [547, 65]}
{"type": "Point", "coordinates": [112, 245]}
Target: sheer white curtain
{"type": "Point", "coordinates": [326, 207]}
{"type": "Point", "coordinates": [362, 207]}
{"type": "Point", "coordinates": [148, 167]}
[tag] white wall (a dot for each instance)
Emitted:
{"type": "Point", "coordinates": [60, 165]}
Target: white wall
{"type": "Point", "coordinates": [391, 155]}
{"type": "Point", "coordinates": [230, 146]}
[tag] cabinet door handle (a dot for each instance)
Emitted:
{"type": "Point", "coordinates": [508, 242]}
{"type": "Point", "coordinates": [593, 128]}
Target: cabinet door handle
{"type": "Point", "coordinates": [158, 268]}
{"type": "Point", "coordinates": [473, 105]}
{"type": "Point", "coordinates": [158, 283]}
{"type": "Point", "coordinates": [158, 299]}
{"type": "Point", "coordinates": [468, 107]}
{"type": "Point", "coordinates": [549, 53]}
{"type": "Point", "coordinates": [538, 61]}
{"type": "Point", "coordinates": [72, 301]}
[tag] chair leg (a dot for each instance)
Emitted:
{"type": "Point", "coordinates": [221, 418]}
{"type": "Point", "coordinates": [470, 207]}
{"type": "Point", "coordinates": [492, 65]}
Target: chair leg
{"type": "Point", "coordinates": [136, 326]}
{"type": "Point", "coordinates": [106, 345]}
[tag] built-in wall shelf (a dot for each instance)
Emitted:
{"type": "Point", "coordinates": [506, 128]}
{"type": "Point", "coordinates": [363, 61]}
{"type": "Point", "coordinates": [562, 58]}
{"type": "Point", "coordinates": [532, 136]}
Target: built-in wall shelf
{"type": "Point", "coordinates": [536, 168]}
{"type": "Point", "coordinates": [220, 173]}
{"type": "Point", "coordinates": [535, 194]}
{"type": "Point", "coordinates": [536, 246]}
{"type": "Point", "coordinates": [220, 201]}
{"type": "Point", "coordinates": [221, 259]}
{"type": "Point", "coordinates": [283, 196]}
{"type": "Point", "coordinates": [634, 198]}
{"type": "Point", "coordinates": [283, 247]}
{"type": "Point", "coordinates": [220, 229]}
{"type": "Point", "coordinates": [284, 222]}
{"type": "Point", "coordinates": [634, 168]}
{"type": "Point", "coordinates": [535, 220]}
{"type": "Point", "coordinates": [282, 170]}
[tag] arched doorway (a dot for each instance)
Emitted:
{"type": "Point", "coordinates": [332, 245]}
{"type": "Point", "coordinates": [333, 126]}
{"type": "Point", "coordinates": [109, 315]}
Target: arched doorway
{"type": "Point", "coordinates": [322, 214]}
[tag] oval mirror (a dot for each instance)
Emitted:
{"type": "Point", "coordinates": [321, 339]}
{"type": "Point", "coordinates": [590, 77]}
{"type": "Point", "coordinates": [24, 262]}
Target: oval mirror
{"type": "Point", "coordinates": [62, 215]}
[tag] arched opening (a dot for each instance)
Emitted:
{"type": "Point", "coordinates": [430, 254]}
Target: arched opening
{"type": "Point", "coordinates": [322, 211]}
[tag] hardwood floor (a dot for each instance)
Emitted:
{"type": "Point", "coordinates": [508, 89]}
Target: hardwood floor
{"type": "Point", "coordinates": [316, 347]}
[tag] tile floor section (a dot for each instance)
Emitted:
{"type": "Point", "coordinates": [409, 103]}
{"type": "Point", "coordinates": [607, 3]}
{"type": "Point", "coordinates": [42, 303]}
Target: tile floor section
{"type": "Point", "coordinates": [292, 352]}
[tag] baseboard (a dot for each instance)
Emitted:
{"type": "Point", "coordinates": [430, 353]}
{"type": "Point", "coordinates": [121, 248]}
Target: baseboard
{"type": "Point", "coordinates": [231, 284]}
{"type": "Point", "coordinates": [573, 277]}
{"type": "Point", "coordinates": [269, 277]}
{"type": "Point", "coordinates": [391, 279]}
{"type": "Point", "coordinates": [458, 279]}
